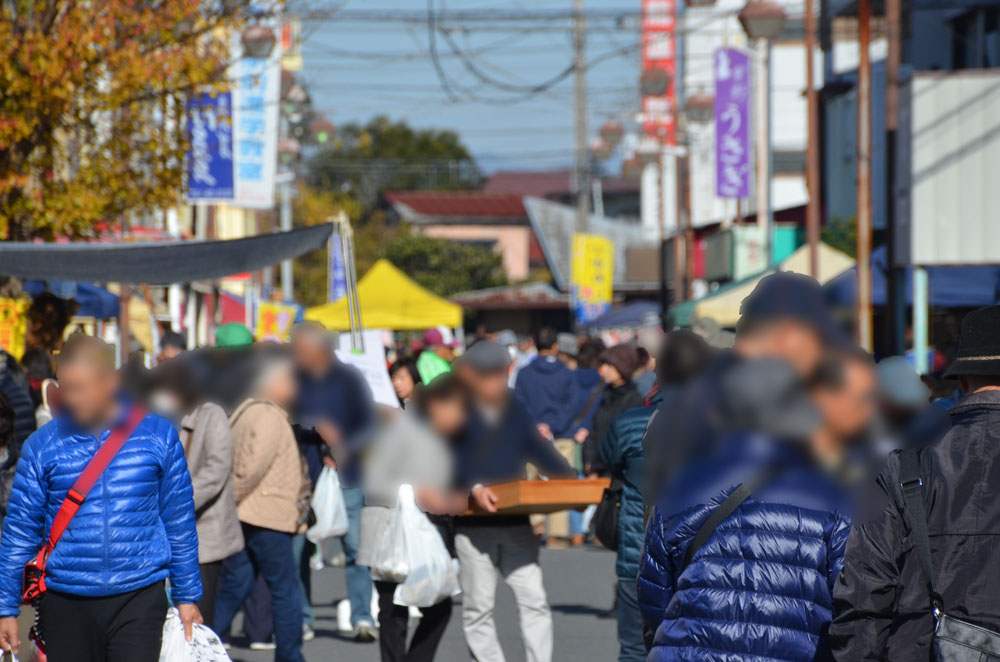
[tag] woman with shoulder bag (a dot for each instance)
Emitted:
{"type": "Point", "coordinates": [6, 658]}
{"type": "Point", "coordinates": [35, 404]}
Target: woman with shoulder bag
{"type": "Point", "coordinates": [414, 450]}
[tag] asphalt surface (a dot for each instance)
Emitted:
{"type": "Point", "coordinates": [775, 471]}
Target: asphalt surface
{"type": "Point", "coordinates": [580, 585]}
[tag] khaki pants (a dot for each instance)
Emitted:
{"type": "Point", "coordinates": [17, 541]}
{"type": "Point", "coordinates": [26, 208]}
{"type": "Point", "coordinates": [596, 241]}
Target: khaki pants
{"type": "Point", "coordinates": [486, 553]}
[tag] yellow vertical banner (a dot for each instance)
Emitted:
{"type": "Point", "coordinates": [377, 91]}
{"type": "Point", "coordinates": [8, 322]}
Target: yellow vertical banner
{"type": "Point", "coordinates": [274, 321]}
{"type": "Point", "coordinates": [592, 275]}
{"type": "Point", "coordinates": [13, 325]}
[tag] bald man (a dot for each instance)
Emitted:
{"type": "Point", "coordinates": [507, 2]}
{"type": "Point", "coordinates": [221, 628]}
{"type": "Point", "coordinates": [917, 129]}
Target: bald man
{"type": "Point", "coordinates": [106, 599]}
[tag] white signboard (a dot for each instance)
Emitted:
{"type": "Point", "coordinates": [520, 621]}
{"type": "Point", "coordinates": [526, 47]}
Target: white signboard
{"type": "Point", "coordinates": [371, 363]}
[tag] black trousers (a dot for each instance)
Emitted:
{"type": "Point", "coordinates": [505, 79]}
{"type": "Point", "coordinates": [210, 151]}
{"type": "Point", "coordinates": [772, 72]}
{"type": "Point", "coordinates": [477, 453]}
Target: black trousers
{"type": "Point", "coordinates": [392, 628]}
{"type": "Point", "coordinates": [120, 628]}
{"type": "Point", "coordinates": [210, 573]}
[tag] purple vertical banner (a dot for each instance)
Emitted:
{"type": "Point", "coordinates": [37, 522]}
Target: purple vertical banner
{"type": "Point", "coordinates": [733, 69]}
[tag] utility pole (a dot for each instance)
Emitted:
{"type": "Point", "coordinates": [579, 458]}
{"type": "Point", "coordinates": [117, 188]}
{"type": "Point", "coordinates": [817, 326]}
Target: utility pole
{"type": "Point", "coordinates": [894, 302]}
{"type": "Point", "coordinates": [812, 144]}
{"type": "Point", "coordinates": [864, 177]}
{"type": "Point", "coordinates": [582, 157]}
{"type": "Point", "coordinates": [762, 118]}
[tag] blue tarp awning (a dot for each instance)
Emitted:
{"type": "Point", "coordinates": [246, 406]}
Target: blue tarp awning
{"type": "Point", "coordinates": [94, 301]}
{"type": "Point", "coordinates": [950, 287]}
{"type": "Point", "coordinates": [637, 313]}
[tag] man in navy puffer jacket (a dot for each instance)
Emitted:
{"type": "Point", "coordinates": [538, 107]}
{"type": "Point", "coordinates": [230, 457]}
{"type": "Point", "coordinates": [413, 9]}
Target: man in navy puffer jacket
{"type": "Point", "coordinates": [760, 587]}
{"type": "Point", "coordinates": [106, 599]}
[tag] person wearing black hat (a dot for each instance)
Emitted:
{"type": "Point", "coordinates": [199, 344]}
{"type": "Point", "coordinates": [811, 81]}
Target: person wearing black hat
{"type": "Point", "coordinates": [882, 602]}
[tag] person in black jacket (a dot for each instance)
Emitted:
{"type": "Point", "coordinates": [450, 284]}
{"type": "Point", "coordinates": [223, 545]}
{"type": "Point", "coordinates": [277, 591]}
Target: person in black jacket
{"type": "Point", "coordinates": [500, 438]}
{"type": "Point", "coordinates": [618, 364]}
{"type": "Point", "coordinates": [882, 606]}
{"type": "Point", "coordinates": [24, 411]}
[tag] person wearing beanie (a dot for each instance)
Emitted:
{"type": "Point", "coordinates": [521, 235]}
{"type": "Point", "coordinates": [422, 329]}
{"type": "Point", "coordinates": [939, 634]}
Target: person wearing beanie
{"type": "Point", "coordinates": [618, 364]}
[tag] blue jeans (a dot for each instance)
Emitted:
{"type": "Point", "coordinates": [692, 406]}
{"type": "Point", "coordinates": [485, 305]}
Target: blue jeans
{"type": "Point", "coordinates": [359, 579]}
{"type": "Point", "coordinates": [269, 553]}
{"type": "Point", "coordinates": [302, 549]}
{"type": "Point", "coordinates": [630, 643]}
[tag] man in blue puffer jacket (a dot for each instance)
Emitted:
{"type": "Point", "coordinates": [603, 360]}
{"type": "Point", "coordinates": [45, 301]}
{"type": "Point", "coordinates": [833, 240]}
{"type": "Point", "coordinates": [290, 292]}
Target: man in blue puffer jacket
{"type": "Point", "coordinates": [106, 599]}
{"type": "Point", "coordinates": [684, 355]}
{"type": "Point", "coordinates": [760, 586]}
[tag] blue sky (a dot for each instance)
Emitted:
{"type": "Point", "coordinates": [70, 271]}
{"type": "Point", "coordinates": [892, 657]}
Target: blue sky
{"type": "Point", "coordinates": [357, 69]}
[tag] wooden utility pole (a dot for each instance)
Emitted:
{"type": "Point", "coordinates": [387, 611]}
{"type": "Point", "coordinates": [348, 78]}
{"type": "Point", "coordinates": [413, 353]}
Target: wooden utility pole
{"type": "Point", "coordinates": [812, 145]}
{"type": "Point", "coordinates": [895, 308]}
{"type": "Point", "coordinates": [864, 177]}
{"type": "Point", "coordinates": [582, 157]}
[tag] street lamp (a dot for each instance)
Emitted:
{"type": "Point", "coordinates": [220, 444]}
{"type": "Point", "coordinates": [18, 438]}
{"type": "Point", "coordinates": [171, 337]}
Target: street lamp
{"type": "Point", "coordinates": [258, 41]}
{"type": "Point", "coordinates": [612, 132]}
{"type": "Point", "coordinates": [763, 21]}
{"type": "Point", "coordinates": [700, 107]}
{"type": "Point", "coordinates": [654, 82]}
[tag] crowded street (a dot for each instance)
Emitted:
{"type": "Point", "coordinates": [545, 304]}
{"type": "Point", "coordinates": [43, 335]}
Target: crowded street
{"type": "Point", "coordinates": [577, 609]}
{"type": "Point", "coordinates": [526, 331]}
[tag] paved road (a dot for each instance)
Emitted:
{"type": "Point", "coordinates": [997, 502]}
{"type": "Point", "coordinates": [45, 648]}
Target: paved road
{"type": "Point", "coordinates": [580, 583]}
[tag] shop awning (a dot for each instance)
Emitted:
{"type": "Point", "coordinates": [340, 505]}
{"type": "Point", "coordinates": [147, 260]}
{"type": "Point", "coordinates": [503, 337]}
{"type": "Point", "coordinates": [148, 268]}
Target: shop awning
{"type": "Point", "coordinates": [389, 300]}
{"type": "Point", "coordinates": [156, 262]}
{"type": "Point", "coordinates": [93, 301]}
{"type": "Point", "coordinates": [724, 305]}
{"type": "Point", "coordinates": [967, 286]}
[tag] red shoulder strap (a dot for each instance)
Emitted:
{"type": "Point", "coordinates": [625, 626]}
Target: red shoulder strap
{"type": "Point", "coordinates": [91, 474]}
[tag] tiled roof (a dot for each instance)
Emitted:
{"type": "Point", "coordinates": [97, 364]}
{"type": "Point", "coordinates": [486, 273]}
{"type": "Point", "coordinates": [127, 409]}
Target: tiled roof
{"type": "Point", "coordinates": [529, 296]}
{"type": "Point", "coordinates": [460, 203]}
{"type": "Point", "coordinates": [548, 183]}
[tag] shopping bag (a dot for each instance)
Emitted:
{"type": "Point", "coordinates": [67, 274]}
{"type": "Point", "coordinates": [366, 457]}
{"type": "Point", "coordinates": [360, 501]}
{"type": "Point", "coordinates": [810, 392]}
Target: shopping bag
{"type": "Point", "coordinates": [329, 507]}
{"type": "Point", "coordinates": [391, 563]}
{"type": "Point", "coordinates": [433, 574]}
{"type": "Point", "coordinates": [203, 647]}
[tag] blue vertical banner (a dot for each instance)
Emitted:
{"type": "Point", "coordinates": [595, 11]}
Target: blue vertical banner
{"type": "Point", "coordinates": [336, 275]}
{"type": "Point", "coordinates": [210, 156]}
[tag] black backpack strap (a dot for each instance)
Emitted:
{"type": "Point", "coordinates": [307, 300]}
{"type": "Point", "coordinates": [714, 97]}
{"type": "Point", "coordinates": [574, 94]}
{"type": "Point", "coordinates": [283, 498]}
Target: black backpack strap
{"type": "Point", "coordinates": [915, 516]}
{"type": "Point", "coordinates": [725, 509]}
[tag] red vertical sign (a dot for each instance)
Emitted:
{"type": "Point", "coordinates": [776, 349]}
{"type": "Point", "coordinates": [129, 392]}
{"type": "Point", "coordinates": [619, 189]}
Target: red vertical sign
{"type": "Point", "coordinates": [659, 51]}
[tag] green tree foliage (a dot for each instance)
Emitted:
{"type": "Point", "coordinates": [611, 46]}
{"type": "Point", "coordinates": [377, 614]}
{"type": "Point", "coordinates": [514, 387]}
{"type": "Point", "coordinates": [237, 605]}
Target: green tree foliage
{"type": "Point", "coordinates": [364, 160]}
{"type": "Point", "coordinates": [842, 234]}
{"type": "Point", "coordinates": [312, 207]}
{"type": "Point", "coordinates": [443, 266]}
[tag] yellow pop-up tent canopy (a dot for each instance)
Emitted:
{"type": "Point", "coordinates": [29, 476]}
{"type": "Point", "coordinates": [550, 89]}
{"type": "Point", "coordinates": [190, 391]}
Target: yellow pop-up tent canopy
{"type": "Point", "coordinates": [389, 299]}
{"type": "Point", "coordinates": [724, 307]}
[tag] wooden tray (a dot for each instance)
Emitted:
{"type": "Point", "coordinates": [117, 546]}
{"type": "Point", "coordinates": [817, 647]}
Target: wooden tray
{"type": "Point", "coordinates": [534, 497]}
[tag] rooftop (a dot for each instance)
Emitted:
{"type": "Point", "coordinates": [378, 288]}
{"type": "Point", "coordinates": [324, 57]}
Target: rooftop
{"type": "Point", "coordinates": [463, 204]}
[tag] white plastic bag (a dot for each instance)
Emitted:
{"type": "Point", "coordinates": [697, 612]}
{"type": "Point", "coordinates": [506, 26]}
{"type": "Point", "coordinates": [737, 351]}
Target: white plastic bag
{"type": "Point", "coordinates": [203, 647]}
{"type": "Point", "coordinates": [329, 508]}
{"type": "Point", "coordinates": [391, 563]}
{"type": "Point", "coordinates": [413, 553]}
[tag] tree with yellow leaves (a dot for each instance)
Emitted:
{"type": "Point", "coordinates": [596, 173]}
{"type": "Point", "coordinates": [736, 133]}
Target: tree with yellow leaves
{"type": "Point", "coordinates": [92, 99]}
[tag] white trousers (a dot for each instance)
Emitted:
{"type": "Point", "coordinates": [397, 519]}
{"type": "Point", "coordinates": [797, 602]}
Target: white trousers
{"type": "Point", "coordinates": [512, 552]}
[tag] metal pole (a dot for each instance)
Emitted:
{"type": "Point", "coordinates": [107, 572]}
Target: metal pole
{"type": "Point", "coordinates": [895, 302]}
{"type": "Point", "coordinates": [582, 160]}
{"type": "Point", "coordinates": [762, 120]}
{"type": "Point", "coordinates": [123, 330]}
{"type": "Point", "coordinates": [864, 178]}
{"type": "Point", "coordinates": [920, 318]}
{"type": "Point", "coordinates": [287, 289]}
{"type": "Point", "coordinates": [812, 145]}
